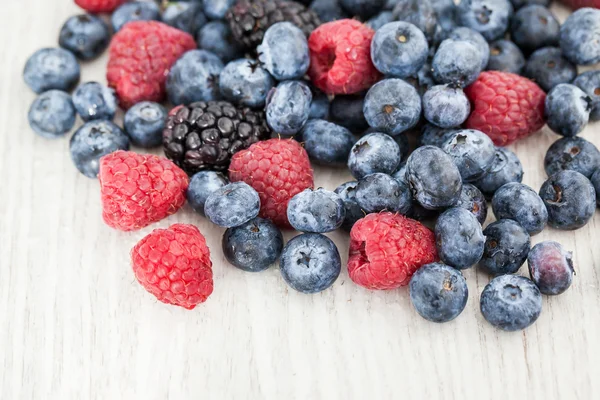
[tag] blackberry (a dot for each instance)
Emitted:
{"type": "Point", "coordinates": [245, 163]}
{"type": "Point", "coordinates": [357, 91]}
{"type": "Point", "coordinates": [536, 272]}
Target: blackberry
{"type": "Point", "coordinates": [205, 135]}
{"type": "Point", "coordinates": [249, 19]}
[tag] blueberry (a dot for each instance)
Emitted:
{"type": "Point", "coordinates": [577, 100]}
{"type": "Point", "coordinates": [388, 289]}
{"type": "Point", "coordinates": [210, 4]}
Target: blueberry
{"type": "Point", "coordinates": [319, 108]}
{"type": "Point", "coordinates": [534, 27]}
{"type": "Point", "coordinates": [433, 178]}
{"type": "Point", "coordinates": [456, 62]}
{"type": "Point", "coordinates": [596, 182]}
{"type": "Point", "coordinates": [419, 13]}
{"type": "Point", "coordinates": [144, 124]}
{"type": "Point", "coordinates": [95, 101]}
{"type": "Point", "coordinates": [488, 17]}
{"type": "Point", "coordinates": [446, 13]}
{"type": "Point", "coordinates": [572, 153]}
{"type": "Point", "coordinates": [473, 153]}
{"type": "Point", "coordinates": [94, 140]}
{"type": "Point", "coordinates": [475, 38]}
{"type": "Point", "coordinates": [471, 199]}
{"type": "Point", "coordinates": [327, 143]}
{"type": "Point", "coordinates": [288, 107]}
{"type": "Point", "coordinates": [194, 77]}
{"type": "Point", "coordinates": [275, 54]}
{"type": "Point", "coordinates": [347, 111]}
{"type": "Point", "coordinates": [253, 246]}
{"type": "Point", "coordinates": [134, 11]}
{"type": "Point", "coordinates": [246, 83]}
{"type": "Point", "coordinates": [551, 267]}
{"type": "Point", "coordinates": [328, 10]}
{"type": "Point", "coordinates": [310, 263]}
{"type": "Point", "coordinates": [589, 82]}
{"type": "Point", "coordinates": [85, 35]}
{"type": "Point", "coordinates": [400, 174]}
{"type": "Point", "coordinates": [392, 106]}
{"type": "Point", "coordinates": [505, 168]}
{"type": "Point", "coordinates": [375, 152]}
{"type": "Point", "coordinates": [459, 238]}
{"type": "Point", "coordinates": [519, 202]}
{"type": "Point", "coordinates": [216, 9]}
{"type": "Point", "coordinates": [380, 20]}
{"type": "Point", "coordinates": [548, 68]}
{"type": "Point", "coordinates": [399, 49]}
{"type": "Point", "coordinates": [186, 16]}
{"type": "Point", "coordinates": [578, 37]}
{"type": "Point", "coordinates": [438, 292]}
{"type": "Point", "coordinates": [202, 185]}
{"type": "Point", "coordinates": [511, 302]}
{"type": "Point", "coordinates": [316, 211]}
{"type": "Point", "coordinates": [347, 192]}
{"type": "Point", "coordinates": [432, 135]}
{"type": "Point", "coordinates": [506, 247]}
{"type": "Point", "coordinates": [567, 109]}
{"type": "Point", "coordinates": [424, 78]}
{"type": "Point", "coordinates": [378, 192]}
{"type": "Point", "coordinates": [446, 106]}
{"type": "Point", "coordinates": [506, 56]}
{"type": "Point", "coordinates": [217, 38]}
{"type": "Point", "coordinates": [522, 3]}
{"type": "Point", "coordinates": [232, 205]}
{"type": "Point", "coordinates": [49, 69]}
{"type": "Point", "coordinates": [52, 114]}
{"type": "Point", "coordinates": [362, 8]}
{"type": "Point", "coordinates": [570, 199]}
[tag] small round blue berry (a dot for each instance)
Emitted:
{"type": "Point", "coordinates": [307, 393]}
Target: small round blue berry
{"type": "Point", "coordinates": [375, 152]}
{"type": "Point", "coordinates": [519, 202]}
{"type": "Point", "coordinates": [578, 37]}
{"type": "Point", "coordinates": [471, 199]}
{"type": "Point", "coordinates": [327, 143]}
{"type": "Point", "coordinates": [446, 106]}
{"type": "Point", "coordinates": [216, 9]}
{"type": "Point", "coordinates": [420, 13]}
{"type": "Point", "coordinates": [310, 263]}
{"type": "Point", "coordinates": [52, 114]}
{"type": "Point", "coordinates": [551, 267]}
{"type": "Point", "coordinates": [506, 247]}
{"type": "Point", "coordinates": [438, 292]}
{"type": "Point", "coordinates": [202, 185]}
{"type": "Point", "coordinates": [347, 111]}
{"type": "Point", "coordinates": [319, 108]}
{"type": "Point", "coordinates": [362, 8]}
{"type": "Point", "coordinates": [276, 55]}
{"type": "Point", "coordinates": [505, 168]}
{"type": "Point", "coordinates": [194, 77]}
{"type": "Point", "coordinates": [570, 199]}
{"type": "Point", "coordinates": [380, 20]}
{"type": "Point", "coordinates": [392, 106]}
{"type": "Point", "coordinates": [567, 109]}
{"type": "Point", "coordinates": [476, 39]}
{"type": "Point", "coordinates": [347, 192]}
{"type": "Point", "coordinates": [548, 68]}
{"type": "Point", "coordinates": [572, 153]}
{"type": "Point", "coordinates": [517, 4]}
{"type": "Point", "coordinates": [85, 35]}
{"type": "Point", "coordinates": [253, 246]}
{"type": "Point", "coordinates": [589, 82]}
{"type": "Point", "coordinates": [596, 182]}
{"type": "Point", "coordinates": [505, 56]}
{"type": "Point", "coordinates": [488, 17]}
{"type": "Point", "coordinates": [217, 38]}
{"type": "Point", "coordinates": [456, 62]}
{"type": "Point", "coordinates": [95, 101]}
{"type": "Point", "coordinates": [459, 238]}
{"type": "Point", "coordinates": [94, 140]}
{"type": "Point", "coordinates": [511, 302]}
{"type": "Point", "coordinates": [246, 83]}
{"type": "Point", "coordinates": [379, 192]}
{"type": "Point", "coordinates": [399, 49]}
{"type": "Point", "coordinates": [144, 124]}
{"type": "Point", "coordinates": [186, 16]}
{"type": "Point", "coordinates": [51, 68]}
{"type": "Point", "coordinates": [473, 153]}
{"type": "Point", "coordinates": [432, 135]}
{"type": "Point", "coordinates": [232, 205]}
{"type": "Point", "coordinates": [328, 10]}
{"type": "Point", "coordinates": [316, 211]}
{"type": "Point", "coordinates": [534, 27]}
{"type": "Point", "coordinates": [288, 107]}
{"type": "Point", "coordinates": [433, 178]}
{"type": "Point", "coordinates": [134, 11]}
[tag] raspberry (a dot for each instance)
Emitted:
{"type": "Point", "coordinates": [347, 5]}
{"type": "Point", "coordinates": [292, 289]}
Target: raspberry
{"type": "Point", "coordinates": [505, 106]}
{"type": "Point", "coordinates": [174, 265]}
{"type": "Point", "coordinates": [99, 6]}
{"type": "Point", "coordinates": [278, 170]}
{"type": "Point", "coordinates": [141, 55]}
{"type": "Point", "coordinates": [387, 249]}
{"type": "Point", "coordinates": [340, 57]}
{"type": "Point", "coordinates": [577, 4]}
{"type": "Point", "coordinates": [138, 190]}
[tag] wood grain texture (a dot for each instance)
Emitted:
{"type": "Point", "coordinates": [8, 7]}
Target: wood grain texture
{"type": "Point", "coordinates": [74, 324]}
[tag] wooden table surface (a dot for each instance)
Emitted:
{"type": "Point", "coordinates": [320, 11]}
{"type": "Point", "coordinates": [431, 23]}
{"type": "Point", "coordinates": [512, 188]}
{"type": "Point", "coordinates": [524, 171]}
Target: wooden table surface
{"type": "Point", "coordinates": [74, 323]}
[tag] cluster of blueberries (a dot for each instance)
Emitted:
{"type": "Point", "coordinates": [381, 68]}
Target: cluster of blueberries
{"type": "Point", "coordinates": [428, 50]}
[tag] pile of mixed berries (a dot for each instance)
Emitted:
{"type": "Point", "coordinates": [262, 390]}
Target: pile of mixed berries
{"type": "Point", "coordinates": [416, 97]}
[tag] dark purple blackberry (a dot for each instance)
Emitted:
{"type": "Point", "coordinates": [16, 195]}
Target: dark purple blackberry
{"type": "Point", "coordinates": [249, 19]}
{"type": "Point", "coordinates": [205, 135]}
